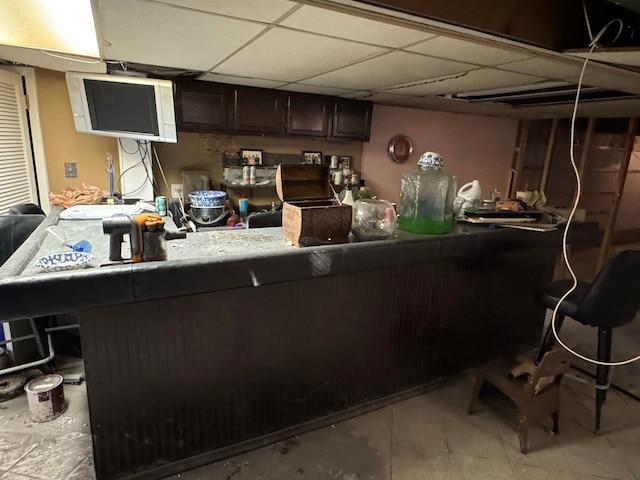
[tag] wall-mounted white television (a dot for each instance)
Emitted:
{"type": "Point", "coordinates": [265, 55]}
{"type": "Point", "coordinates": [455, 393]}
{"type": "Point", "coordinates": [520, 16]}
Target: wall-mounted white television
{"type": "Point", "coordinates": [122, 106]}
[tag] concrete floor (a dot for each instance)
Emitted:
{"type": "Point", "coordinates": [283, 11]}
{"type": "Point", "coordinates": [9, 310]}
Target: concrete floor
{"type": "Point", "coordinates": [430, 436]}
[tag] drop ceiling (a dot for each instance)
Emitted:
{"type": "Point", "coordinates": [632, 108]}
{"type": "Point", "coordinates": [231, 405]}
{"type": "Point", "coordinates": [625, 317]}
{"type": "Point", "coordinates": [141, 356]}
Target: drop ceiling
{"type": "Point", "coordinates": [338, 48]}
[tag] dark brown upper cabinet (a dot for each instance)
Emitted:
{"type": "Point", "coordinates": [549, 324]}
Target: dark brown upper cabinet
{"type": "Point", "coordinates": [259, 111]}
{"type": "Point", "coordinates": [351, 119]}
{"type": "Point", "coordinates": [308, 115]}
{"type": "Point", "coordinates": [203, 107]}
{"type": "Point", "coordinates": [208, 107]}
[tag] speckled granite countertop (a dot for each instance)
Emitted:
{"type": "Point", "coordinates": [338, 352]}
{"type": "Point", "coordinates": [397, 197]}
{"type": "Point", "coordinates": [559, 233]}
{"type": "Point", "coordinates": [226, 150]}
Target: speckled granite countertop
{"type": "Point", "coordinates": [221, 260]}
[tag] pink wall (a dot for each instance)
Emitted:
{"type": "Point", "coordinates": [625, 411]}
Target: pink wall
{"type": "Point", "coordinates": [472, 147]}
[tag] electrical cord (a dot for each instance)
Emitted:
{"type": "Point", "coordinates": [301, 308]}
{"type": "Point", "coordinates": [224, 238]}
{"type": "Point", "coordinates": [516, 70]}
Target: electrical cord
{"type": "Point", "coordinates": [182, 212]}
{"type": "Point", "coordinates": [573, 210]}
{"type": "Point", "coordinates": [143, 150]}
{"type": "Point", "coordinates": [603, 30]}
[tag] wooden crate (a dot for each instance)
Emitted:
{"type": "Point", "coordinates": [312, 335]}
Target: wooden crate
{"type": "Point", "coordinates": [309, 216]}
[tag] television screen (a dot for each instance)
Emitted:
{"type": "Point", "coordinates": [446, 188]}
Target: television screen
{"type": "Point", "coordinates": [122, 107]}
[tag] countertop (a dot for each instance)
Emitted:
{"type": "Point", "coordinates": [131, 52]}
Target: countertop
{"type": "Point", "coordinates": [220, 260]}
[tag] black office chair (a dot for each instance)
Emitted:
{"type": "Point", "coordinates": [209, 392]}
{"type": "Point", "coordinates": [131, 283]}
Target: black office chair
{"type": "Point", "coordinates": [15, 228]}
{"type": "Point", "coordinates": [611, 300]}
{"type": "Point", "coordinates": [26, 209]}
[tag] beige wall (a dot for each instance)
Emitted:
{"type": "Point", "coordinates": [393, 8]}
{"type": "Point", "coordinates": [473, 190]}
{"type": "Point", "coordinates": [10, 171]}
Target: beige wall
{"type": "Point", "coordinates": [204, 152]}
{"type": "Point", "coordinates": [63, 144]}
{"type": "Point", "coordinates": [472, 147]}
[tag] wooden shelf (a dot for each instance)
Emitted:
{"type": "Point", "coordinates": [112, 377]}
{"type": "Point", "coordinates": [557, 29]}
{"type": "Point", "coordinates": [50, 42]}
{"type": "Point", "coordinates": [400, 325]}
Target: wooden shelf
{"type": "Point", "coordinates": [237, 185]}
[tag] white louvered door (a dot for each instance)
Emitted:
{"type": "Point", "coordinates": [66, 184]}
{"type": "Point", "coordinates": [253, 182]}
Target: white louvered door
{"type": "Point", "coordinates": [17, 178]}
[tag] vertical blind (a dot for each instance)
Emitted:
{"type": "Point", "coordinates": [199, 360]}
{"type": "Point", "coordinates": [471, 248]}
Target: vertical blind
{"type": "Point", "coordinates": [17, 179]}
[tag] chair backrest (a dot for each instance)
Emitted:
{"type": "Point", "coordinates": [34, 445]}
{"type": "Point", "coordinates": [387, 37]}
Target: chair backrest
{"type": "Point", "coordinates": [26, 209]}
{"type": "Point", "coordinates": [14, 230]}
{"type": "Point", "coordinates": [614, 296]}
{"type": "Point", "coordinates": [550, 370]}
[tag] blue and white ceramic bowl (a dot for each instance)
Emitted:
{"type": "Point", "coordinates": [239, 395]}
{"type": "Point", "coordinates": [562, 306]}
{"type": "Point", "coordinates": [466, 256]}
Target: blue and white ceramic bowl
{"type": "Point", "coordinates": [207, 198]}
{"type": "Point", "coordinates": [57, 262]}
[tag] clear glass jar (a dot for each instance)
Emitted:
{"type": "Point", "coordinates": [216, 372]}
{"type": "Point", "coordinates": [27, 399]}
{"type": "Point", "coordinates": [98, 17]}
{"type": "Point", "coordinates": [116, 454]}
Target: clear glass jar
{"type": "Point", "coordinates": [373, 219]}
{"type": "Point", "coordinates": [426, 197]}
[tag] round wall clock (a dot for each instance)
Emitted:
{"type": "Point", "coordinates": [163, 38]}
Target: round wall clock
{"type": "Point", "coordinates": [400, 148]}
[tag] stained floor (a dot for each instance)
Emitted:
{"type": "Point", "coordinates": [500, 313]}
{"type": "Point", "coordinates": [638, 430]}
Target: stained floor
{"type": "Point", "coordinates": [429, 436]}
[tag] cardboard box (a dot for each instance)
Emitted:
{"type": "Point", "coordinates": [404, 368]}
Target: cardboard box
{"type": "Point", "coordinates": [309, 215]}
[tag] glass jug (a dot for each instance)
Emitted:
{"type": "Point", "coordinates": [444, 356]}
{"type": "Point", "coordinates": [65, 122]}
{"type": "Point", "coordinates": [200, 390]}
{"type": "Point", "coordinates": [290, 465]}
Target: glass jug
{"type": "Point", "coordinates": [426, 197]}
{"type": "Point", "coordinates": [373, 219]}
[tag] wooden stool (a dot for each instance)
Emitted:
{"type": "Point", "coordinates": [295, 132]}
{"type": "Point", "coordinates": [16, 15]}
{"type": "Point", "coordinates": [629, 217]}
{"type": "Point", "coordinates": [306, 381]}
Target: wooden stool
{"type": "Point", "coordinates": [536, 394]}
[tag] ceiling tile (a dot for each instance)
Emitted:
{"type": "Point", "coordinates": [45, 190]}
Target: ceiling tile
{"type": "Point", "coordinates": [175, 37]}
{"type": "Point", "coordinates": [545, 68]}
{"type": "Point", "coordinates": [618, 56]}
{"type": "Point", "coordinates": [288, 55]}
{"type": "Point", "coordinates": [252, 82]}
{"type": "Point", "coordinates": [464, 51]}
{"type": "Point", "coordinates": [390, 69]}
{"type": "Point", "coordinates": [297, 87]}
{"type": "Point", "coordinates": [393, 99]}
{"type": "Point", "coordinates": [351, 27]}
{"type": "Point", "coordinates": [475, 80]}
{"type": "Point", "coordinates": [625, 82]}
{"type": "Point", "coordinates": [358, 94]}
{"type": "Point", "coordinates": [258, 10]}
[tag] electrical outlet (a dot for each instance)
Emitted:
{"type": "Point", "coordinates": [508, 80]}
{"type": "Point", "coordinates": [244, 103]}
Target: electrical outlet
{"type": "Point", "coordinates": [176, 190]}
{"type": "Point", "coordinates": [70, 170]}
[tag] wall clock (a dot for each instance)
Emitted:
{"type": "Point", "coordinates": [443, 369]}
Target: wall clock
{"type": "Point", "coordinates": [400, 148]}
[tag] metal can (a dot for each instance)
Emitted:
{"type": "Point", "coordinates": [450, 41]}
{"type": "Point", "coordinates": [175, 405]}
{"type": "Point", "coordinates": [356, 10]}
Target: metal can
{"type": "Point", "coordinates": [161, 205]}
{"type": "Point", "coordinates": [243, 206]}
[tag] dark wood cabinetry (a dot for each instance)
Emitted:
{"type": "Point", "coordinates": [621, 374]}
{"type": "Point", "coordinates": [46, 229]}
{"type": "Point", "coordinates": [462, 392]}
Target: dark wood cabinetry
{"type": "Point", "coordinates": [351, 119]}
{"type": "Point", "coordinates": [203, 107]}
{"type": "Point", "coordinates": [308, 115]}
{"type": "Point", "coordinates": [259, 111]}
{"type": "Point", "coordinates": [208, 107]}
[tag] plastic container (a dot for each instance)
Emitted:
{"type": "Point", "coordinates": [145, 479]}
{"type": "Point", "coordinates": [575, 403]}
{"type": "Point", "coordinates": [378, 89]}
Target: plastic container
{"type": "Point", "coordinates": [426, 197]}
{"type": "Point", "coordinates": [154, 241]}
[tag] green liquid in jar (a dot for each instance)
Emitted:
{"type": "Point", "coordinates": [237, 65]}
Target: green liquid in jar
{"type": "Point", "coordinates": [424, 225]}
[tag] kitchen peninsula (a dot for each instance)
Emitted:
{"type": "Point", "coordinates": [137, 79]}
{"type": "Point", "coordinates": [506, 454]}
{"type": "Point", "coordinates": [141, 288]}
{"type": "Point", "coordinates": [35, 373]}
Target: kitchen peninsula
{"type": "Point", "coordinates": [241, 340]}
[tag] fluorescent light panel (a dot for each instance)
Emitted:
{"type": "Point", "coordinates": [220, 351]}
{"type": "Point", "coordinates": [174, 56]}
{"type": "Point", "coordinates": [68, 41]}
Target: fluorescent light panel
{"type": "Point", "coordinates": [65, 26]}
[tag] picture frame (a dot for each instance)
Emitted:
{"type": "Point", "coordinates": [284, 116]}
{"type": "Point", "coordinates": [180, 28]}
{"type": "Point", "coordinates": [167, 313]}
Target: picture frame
{"type": "Point", "coordinates": [311, 158]}
{"type": "Point", "coordinates": [346, 162]}
{"type": "Point", "coordinates": [251, 157]}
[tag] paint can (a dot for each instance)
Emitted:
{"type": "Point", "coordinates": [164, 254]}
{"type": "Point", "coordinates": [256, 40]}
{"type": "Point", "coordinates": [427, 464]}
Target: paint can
{"type": "Point", "coordinates": [46, 397]}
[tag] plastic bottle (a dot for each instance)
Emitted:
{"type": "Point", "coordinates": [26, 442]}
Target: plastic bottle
{"type": "Point", "coordinates": [426, 197]}
{"type": "Point", "coordinates": [348, 196]}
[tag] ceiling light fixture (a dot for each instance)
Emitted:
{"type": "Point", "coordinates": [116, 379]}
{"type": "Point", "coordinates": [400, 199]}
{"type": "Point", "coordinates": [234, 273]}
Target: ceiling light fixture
{"type": "Point", "coordinates": [63, 27]}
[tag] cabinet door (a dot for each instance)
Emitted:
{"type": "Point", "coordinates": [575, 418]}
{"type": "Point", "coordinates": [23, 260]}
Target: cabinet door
{"type": "Point", "coordinates": [352, 119]}
{"type": "Point", "coordinates": [259, 111]}
{"type": "Point", "coordinates": [202, 107]}
{"type": "Point", "coordinates": [308, 115]}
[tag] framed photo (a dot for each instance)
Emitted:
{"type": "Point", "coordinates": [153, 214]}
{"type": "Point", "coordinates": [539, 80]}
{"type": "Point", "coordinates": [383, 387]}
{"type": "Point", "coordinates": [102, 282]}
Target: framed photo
{"type": "Point", "coordinates": [311, 158]}
{"type": "Point", "coordinates": [251, 157]}
{"type": "Point", "coordinates": [346, 162]}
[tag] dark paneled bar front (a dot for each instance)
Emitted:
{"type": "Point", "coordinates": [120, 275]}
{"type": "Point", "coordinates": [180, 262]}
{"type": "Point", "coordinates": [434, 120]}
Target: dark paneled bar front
{"type": "Point", "coordinates": [191, 361]}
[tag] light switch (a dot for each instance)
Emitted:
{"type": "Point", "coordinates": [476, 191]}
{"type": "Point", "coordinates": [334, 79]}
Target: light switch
{"type": "Point", "coordinates": [70, 170]}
